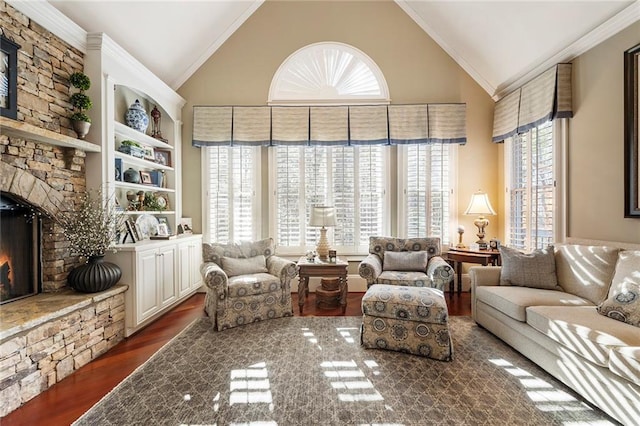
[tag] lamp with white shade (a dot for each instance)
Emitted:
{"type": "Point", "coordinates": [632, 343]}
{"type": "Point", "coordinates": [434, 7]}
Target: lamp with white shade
{"type": "Point", "coordinates": [481, 206]}
{"type": "Point", "coordinates": [322, 216]}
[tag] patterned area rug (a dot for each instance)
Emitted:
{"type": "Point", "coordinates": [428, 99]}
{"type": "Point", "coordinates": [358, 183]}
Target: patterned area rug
{"type": "Point", "coordinates": [312, 371]}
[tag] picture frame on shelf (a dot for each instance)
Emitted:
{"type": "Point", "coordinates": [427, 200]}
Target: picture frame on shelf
{"type": "Point", "coordinates": [8, 78]}
{"type": "Point", "coordinates": [145, 178]}
{"type": "Point", "coordinates": [131, 232]}
{"type": "Point", "coordinates": [149, 153]}
{"type": "Point", "coordinates": [164, 220]}
{"type": "Point", "coordinates": [163, 157]}
{"type": "Point", "coordinates": [185, 226]}
{"type": "Point", "coordinates": [162, 230]}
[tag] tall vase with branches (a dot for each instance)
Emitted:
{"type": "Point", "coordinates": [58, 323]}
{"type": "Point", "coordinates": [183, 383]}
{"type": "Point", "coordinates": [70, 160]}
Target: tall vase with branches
{"type": "Point", "coordinates": [92, 230]}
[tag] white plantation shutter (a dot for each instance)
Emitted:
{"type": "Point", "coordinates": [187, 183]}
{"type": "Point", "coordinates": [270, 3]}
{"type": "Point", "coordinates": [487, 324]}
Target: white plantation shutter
{"type": "Point", "coordinates": [231, 199]}
{"type": "Point", "coordinates": [289, 210]}
{"type": "Point", "coordinates": [371, 193]}
{"type": "Point", "coordinates": [343, 168]}
{"type": "Point", "coordinates": [351, 179]}
{"type": "Point", "coordinates": [427, 189]}
{"type": "Point", "coordinates": [532, 189]}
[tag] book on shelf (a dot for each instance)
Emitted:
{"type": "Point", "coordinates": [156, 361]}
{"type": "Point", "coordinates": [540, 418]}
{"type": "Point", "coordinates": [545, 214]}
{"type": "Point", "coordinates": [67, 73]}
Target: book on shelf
{"type": "Point", "coordinates": [163, 237]}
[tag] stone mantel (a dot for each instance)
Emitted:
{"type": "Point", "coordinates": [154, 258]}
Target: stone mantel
{"type": "Point", "coordinates": [28, 131]}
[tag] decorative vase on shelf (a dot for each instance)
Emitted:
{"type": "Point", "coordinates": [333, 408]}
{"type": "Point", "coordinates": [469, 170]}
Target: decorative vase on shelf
{"type": "Point", "coordinates": [81, 128]}
{"type": "Point", "coordinates": [94, 276]}
{"type": "Point", "coordinates": [131, 175]}
{"type": "Point", "coordinates": [136, 117]}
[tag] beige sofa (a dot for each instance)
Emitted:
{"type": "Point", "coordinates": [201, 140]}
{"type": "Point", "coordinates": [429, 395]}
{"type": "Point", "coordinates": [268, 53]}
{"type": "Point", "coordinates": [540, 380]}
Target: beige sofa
{"type": "Point", "coordinates": [561, 329]}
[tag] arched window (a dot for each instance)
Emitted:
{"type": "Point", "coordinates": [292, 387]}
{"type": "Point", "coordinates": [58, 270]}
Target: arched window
{"type": "Point", "coordinates": [328, 72]}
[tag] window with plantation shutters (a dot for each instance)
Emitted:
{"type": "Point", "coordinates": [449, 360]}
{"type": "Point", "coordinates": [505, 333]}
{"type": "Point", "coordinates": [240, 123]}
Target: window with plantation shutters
{"type": "Point", "coordinates": [349, 178]}
{"type": "Point", "coordinates": [531, 188]}
{"type": "Point", "coordinates": [426, 191]}
{"type": "Point", "coordinates": [231, 199]}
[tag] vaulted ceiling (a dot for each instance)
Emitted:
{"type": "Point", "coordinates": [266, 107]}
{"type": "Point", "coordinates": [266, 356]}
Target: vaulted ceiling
{"type": "Point", "coordinates": [501, 44]}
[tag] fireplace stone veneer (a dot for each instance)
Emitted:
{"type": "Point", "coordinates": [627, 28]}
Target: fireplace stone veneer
{"type": "Point", "coordinates": [45, 338]}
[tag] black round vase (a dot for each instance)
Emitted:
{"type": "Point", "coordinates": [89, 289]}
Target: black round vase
{"type": "Point", "coordinates": [96, 275]}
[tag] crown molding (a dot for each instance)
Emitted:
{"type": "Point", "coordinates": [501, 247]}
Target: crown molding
{"type": "Point", "coordinates": [473, 73]}
{"type": "Point", "coordinates": [53, 20]}
{"type": "Point", "coordinates": [131, 68]}
{"type": "Point", "coordinates": [609, 28]}
{"type": "Point", "coordinates": [180, 80]}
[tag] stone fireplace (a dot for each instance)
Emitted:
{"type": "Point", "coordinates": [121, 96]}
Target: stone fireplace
{"type": "Point", "coordinates": [44, 337]}
{"type": "Point", "coordinates": [20, 242]}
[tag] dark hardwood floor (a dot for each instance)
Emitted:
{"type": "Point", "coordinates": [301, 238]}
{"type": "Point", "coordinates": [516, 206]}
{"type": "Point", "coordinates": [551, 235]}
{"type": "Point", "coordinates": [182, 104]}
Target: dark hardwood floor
{"type": "Point", "coordinates": [64, 402]}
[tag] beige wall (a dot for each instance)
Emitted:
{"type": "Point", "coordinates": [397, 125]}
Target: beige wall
{"type": "Point", "coordinates": [415, 67]}
{"type": "Point", "coordinates": [596, 156]}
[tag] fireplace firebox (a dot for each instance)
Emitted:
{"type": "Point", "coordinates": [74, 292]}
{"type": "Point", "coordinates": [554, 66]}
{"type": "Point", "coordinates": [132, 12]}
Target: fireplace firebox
{"type": "Point", "coordinates": [20, 250]}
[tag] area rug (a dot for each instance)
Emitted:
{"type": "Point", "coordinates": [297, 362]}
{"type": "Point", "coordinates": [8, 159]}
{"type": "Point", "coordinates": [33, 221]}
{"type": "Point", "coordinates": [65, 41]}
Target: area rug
{"type": "Point", "coordinates": [313, 371]}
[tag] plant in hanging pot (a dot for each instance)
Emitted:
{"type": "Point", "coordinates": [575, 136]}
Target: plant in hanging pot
{"type": "Point", "coordinates": [92, 229]}
{"type": "Point", "coordinates": [81, 103]}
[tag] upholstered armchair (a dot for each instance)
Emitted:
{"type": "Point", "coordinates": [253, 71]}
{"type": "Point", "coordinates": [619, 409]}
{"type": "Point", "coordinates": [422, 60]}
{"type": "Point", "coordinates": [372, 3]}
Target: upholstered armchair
{"type": "Point", "coordinates": [412, 262]}
{"type": "Point", "coordinates": [245, 283]}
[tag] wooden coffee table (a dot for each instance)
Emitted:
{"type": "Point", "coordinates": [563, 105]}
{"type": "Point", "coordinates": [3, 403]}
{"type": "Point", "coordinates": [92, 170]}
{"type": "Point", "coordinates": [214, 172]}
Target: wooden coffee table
{"type": "Point", "coordinates": [320, 268]}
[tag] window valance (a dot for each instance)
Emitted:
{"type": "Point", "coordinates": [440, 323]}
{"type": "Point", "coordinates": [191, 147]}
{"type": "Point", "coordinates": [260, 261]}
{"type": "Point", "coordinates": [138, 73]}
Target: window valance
{"type": "Point", "coordinates": [544, 98]}
{"type": "Point", "coordinates": [329, 125]}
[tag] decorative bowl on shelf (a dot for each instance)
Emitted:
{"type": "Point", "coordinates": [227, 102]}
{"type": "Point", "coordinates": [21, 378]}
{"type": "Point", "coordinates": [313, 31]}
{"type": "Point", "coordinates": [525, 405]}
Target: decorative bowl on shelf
{"type": "Point", "coordinates": [134, 151]}
{"type": "Point", "coordinates": [136, 117]}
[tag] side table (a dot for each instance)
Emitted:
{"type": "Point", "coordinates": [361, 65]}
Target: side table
{"type": "Point", "coordinates": [321, 268]}
{"type": "Point", "coordinates": [458, 256]}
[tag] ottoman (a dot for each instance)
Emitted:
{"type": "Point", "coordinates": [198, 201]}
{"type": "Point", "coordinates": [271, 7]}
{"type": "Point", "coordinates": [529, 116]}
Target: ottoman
{"type": "Point", "coordinates": [406, 319]}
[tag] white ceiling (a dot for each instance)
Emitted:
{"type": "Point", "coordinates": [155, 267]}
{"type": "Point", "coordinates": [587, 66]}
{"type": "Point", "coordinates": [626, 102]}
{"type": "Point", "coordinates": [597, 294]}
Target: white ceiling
{"type": "Point", "coordinates": [499, 43]}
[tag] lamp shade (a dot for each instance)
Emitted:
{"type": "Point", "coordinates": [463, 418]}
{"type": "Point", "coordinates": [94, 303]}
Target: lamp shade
{"type": "Point", "coordinates": [322, 216]}
{"type": "Point", "coordinates": [480, 205]}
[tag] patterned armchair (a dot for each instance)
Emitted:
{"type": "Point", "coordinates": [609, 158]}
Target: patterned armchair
{"type": "Point", "coordinates": [245, 283]}
{"type": "Point", "coordinates": [412, 262]}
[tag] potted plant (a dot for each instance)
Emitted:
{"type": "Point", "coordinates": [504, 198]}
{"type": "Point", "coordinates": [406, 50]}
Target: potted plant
{"type": "Point", "coordinates": [81, 102]}
{"type": "Point", "coordinates": [92, 230]}
{"type": "Point", "coordinates": [132, 148]}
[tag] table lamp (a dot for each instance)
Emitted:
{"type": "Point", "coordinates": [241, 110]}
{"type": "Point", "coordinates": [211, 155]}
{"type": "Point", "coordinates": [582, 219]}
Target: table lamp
{"type": "Point", "coordinates": [481, 206]}
{"type": "Point", "coordinates": [322, 216]}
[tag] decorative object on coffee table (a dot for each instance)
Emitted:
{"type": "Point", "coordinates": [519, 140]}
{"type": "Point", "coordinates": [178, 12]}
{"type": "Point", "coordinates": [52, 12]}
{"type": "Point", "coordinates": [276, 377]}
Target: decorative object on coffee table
{"type": "Point", "coordinates": [481, 206]}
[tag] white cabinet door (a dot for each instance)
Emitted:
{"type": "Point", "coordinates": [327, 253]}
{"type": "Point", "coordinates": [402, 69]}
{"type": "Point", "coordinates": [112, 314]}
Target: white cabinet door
{"type": "Point", "coordinates": [146, 287]}
{"type": "Point", "coordinates": [190, 254]}
{"type": "Point", "coordinates": [196, 261]}
{"type": "Point", "coordinates": [184, 254]}
{"type": "Point", "coordinates": [167, 271]}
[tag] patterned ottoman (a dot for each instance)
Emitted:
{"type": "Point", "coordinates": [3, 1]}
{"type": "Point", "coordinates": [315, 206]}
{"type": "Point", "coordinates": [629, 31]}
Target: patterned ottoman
{"type": "Point", "coordinates": [406, 319]}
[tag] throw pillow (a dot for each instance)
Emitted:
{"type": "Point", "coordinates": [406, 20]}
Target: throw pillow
{"type": "Point", "coordinates": [244, 265]}
{"type": "Point", "coordinates": [586, 271]}
{"type": "Point", "coordinates": [623, 303]}
{"type": "Point", "coordinates": [536, 269]}
{"type": "Point", "coordinates": [405, 261]}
